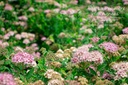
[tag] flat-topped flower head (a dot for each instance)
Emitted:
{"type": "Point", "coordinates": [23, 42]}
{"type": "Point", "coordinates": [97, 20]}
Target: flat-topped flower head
{"type": "Point", "coordinates": [125, 30]}
{"type": "Point", "coordinates": [23, 57]}
{"type": "Point", "coordinates": [109, 47]}
{"type": "Point", "coordinates": [8, 7]}
{"type": "Point", "coordinates": [7, 79]}
{"type": "Point", "coordinates": [82, 54]}
{"type": "Point", "coordinates": [95, 39]}
{"type": "Point", "coordinates": [121, 69]}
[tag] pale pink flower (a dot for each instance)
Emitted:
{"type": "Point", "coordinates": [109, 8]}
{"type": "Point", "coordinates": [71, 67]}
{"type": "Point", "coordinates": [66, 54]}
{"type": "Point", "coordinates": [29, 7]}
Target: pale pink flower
{"type": "Point", "coordinates": [33, 64]}
{"type": "Point", "coordinates": [47, 11]}
{"type": "Point", "coordinates": [96, 56]}
{"type": "Point", "coordinates": [18, 36]}
{"type": "Point", "coordinates": [82, 49]}
{"type": "Point", "coordinates": [24, 35]}
{"type": "Point", "coordinates": [75, 60]}
{"type": "Point", "coordinates": [31, 36]}
{"type": "Point", "coordinates": [71, 11]}
{"type": "Point", "coordinates": [57, 4]}
{"type": "Point", "coordinates": [88, 1]}
{"type": "Point", "coordinates": [93, 9]}
{"type": "Point", "coordinates": [21, 23]}
{"type": "Point", "coordinates": [3, 29]}
{"type": "Point", "coordinates": [26, 41]}
{"type": "Point", "coordinates": [121, 69]}
{"type": "Point", "coordinates": [24, 18]}
{"type": "Point", "coordinates": [18, 49]}
{"type": "Point", "coordinates": [56, 10]}
{"type": "Point", "coordinates": [95, 39]}
{"type": "Point", "coordinates": [36, 48]}
{"type": "Point", "coordinates": [60, 5]}
{"type": "Point", "coordinates": [106, 8]}
{"type": "Point", "coordinates": [82, 54]}
{"type": "Point", "coordinates": [16, 23]}
{"type": "Point", "coordinates": [125, 30]}
{"type": "Point", "coordinates": [7, 36]}
{"type": "Point", "coordinates": [5, 44]}
{"type": "Point", "coordinates": [107, 76]}
{"type": "Point", "coordinates": [63, 12]}
{"type": "Point", "coordinates": [126, 3]}
{"type": "Point", "coordinates": [75, 2]}
{"type": "Point", "coordinates": [23, 57]}
{"type": "Point", "coordinates": [8, 7]}
{"type": "Point", "coordinates": [36, 55]}
{"type": "Point", "coordinates": [31, 9]}
{"type": "Point", "coordinates": [7, 79]}
{"type": "Point", "coordinates": [100, 26]}
{"type": "Point", "coordinates": [1, 41]}
{"type": "Point", "coordinates": [34, 45]}
{"type": "Point", "coordinates": [101, 13]}
{"type": "Point", "coordinates": [110, 47]}
{"type": "Point", "coordinates": [11, 33]}
{"type": "Point", "coordinates": [43, 38]}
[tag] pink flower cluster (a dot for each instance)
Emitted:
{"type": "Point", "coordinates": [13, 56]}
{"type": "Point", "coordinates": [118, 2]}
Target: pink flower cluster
{"type": "Point", "coordinates": [109, 47]}
{"type": "Point", "coordinates": [24, 18]}
{"type": "Point", "coordinates": [125, 2]}
{"type": "Point", "coordinates": [27, 37]}
{"type": "Point", "coordinates": [106, 76]}
{"type": "Point", "coordinates": [8, 35]}
{"type": "Point", "coordinates": [31, 9]}
{"type": "Point", "coordinates": [75, 2]}
{"type": "Point", "coordinates": [101, 17]}
{"type": "Point", "coordinates": [68, 12]}
{"type": "Point", "coordinates": [125, 30]}
{"type": "Point", "coordinates": [82, 54]}
{"type": "Point", "coordinates": [7, 79]}
{"type": "Point", "coordinates": [8, 7]}
{"type": "Point", "coordinates": [95, 39]}
{"type": "Point", "coordinates": [21, 23]}
{"type": "Point", "coordinates": [121, 69]}
{"type": "Point", "coordinates": [105, 8]}
{"type": "Point", "coordinates": [23, 57]}
{"type": "Point", "coordinates": [34, 47]}
{"type": "Point", "coordinates": [3, 44]}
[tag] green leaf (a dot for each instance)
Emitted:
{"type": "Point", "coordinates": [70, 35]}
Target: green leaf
{"type": "Point", "coordinates": [7, 62]}
{"type": "Point", "coordinates": [92, 71]}
{"type": "Point", "coordinates": [63, 72]}
{"type": "Point", "coordinates": [101, 67]}
{"type": "Point", "coordinates": [51, 38]}
{"type": "Point", "coordinates": [30, 73]}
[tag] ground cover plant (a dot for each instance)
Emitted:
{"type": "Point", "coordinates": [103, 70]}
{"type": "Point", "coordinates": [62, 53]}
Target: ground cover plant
{"type": "Point", "coordinates": [63, 42]}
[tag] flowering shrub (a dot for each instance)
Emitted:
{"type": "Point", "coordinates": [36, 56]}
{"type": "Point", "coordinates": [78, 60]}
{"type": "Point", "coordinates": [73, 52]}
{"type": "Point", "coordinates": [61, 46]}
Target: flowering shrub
{"type": "Point", "coordinates": [63, 42]}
